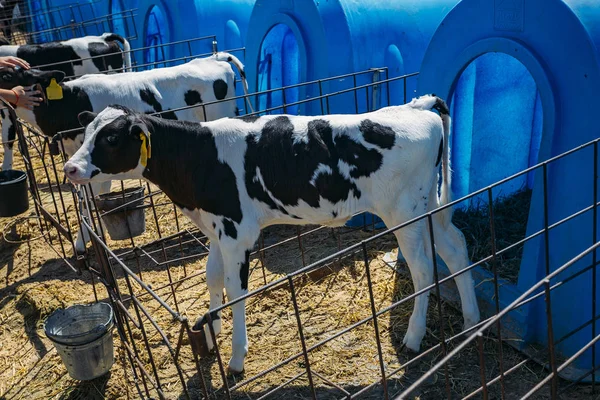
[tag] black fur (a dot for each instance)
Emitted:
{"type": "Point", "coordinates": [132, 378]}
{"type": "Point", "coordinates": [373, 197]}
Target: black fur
{"type": "Point", "coordinates": [148, 97]}
{"type": "Point", "coordinates": [50, 53]}
{"type": "Point", "coordinates": [57, 52]}
{"type": "Point", "coordinates": [441, 106]}
{"type": "Point", "coordinates": [192, 97]}
{"type": "Point", "coordinates": [11, 77]}
{"type": "Point", "coordinates": [245, 270]}
{"type": "Point", "coordinates": [378, 134]}
{"type": "Point", "coordinates": [229, 228]}
{"type": "Point", "coordinates": [185, 164]}
{"type": "Point", "coordinates": [187, 169]}
{"type": "Point", "coordinates": [220, 89]}
{"type": "Point", "coordinates": [440, 151]}
{"type": "Point", "coordinates": [118, 155]}
{"type": "Point", "coordinates": [12, 135]}
{"type": "Point", "coordinates": [113, 57]}
{"type": "Point", "coordinates": [56, 116]}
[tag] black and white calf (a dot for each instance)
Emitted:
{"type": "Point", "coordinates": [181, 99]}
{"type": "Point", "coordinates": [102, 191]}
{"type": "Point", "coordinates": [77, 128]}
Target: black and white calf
{"type": "Point", "coordinates": [198, 81]}
{"type": "Point", "coordinates": [76, 57]}
{"type": "Point", "coordinates": [233, 177]}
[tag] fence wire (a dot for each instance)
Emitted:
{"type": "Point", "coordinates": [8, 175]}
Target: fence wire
{"type": "Point", "coordinates": [306, 336]}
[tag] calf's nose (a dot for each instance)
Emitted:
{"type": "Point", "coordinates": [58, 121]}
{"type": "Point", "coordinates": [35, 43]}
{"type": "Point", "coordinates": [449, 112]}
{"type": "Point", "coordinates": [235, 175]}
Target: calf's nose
{"type": "Point", "coordinates": [70, 170]}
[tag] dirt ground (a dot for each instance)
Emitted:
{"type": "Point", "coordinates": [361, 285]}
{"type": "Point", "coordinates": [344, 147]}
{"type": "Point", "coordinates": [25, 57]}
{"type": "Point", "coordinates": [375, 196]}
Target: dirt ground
{"type": "Point", "coordinates": [35, 281]}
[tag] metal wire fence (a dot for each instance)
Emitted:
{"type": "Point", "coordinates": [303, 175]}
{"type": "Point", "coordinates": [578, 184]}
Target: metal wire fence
{"type": "Point", "coordinates": [155, 317]}
{"type": "Point", "coordinates": [157, 283]}
{"type": "Point", "coordinates": [63, 23]}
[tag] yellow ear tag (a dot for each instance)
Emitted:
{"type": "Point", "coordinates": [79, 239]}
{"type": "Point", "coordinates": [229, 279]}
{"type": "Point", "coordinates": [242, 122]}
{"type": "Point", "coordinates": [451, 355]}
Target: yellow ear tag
{"type": "Point", "coordinates": [145, 150]}
{"type": "Point", "coordinates": [54, 91]}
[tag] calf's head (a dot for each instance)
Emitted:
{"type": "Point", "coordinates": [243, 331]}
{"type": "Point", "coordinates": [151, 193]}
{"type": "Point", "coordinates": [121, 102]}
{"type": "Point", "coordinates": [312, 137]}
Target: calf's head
{"type": "Point", "coordinates": [17, 76]}
{"type": "Point", "coordinates": [116, 146]}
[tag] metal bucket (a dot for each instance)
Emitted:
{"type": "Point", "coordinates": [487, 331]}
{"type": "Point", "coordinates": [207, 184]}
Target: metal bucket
{"type": "Point", "coordinates": [82, 335]}
{"type": "Point", "coordinates": [128, 221]}
{"type": "Point", "coordinates": [13, 193]}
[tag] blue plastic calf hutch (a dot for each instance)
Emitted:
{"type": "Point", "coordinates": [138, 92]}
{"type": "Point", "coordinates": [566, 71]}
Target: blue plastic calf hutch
{"type": "Point", "coordinates": [290, 42]}
{"type": "Point", "coordinates": [298, 41]}
{"type": "Point", "coordinates": [521, 77]}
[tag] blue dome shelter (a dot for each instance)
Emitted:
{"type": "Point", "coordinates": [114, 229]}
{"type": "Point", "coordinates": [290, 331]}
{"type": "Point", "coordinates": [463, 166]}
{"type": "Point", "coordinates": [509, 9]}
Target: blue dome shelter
{"type": "Point", "coordinates": [40, 20]}
{"type": "Point", "coordinates": [156, 33]}
{"type": "Point", "coordinates": [291, 42]}
{"type": "Point", "coordinates": [226, 19]}
{"type": "Point", "coordinates": [520, 77]}
{"type": "Point", "coordinates": [49, 14]}
{"type": "Point", "coordinates": [118, 24]}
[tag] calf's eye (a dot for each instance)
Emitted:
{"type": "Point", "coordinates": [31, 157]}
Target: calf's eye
{"type": "Point", "coordinates": [112, 139]}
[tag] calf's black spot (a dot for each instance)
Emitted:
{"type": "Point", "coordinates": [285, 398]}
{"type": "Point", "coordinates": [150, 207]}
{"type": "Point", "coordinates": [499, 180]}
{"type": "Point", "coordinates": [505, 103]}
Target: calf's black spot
{"type": "Point", "coordinates": [229, 228]}
{"type": "Point", "coordinates": [148, 97]}
{"type": "Point", "coordinates": [245, 270]}
{"type": "Point", "coordinates": [12, 135]}
{"type": "Point", "coordinates": [192, 97]}
{"type": "Point", "coordinates": [220, 89]}
{"type": "Point", "coordinates": [377, 134]}
{"type": "Point", "coordinates": [111, 52]}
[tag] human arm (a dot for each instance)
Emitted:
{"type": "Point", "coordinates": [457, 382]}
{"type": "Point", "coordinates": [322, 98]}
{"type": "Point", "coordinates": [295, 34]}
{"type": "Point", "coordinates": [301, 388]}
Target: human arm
{"type": "Point", "coordinates": [21, 97]}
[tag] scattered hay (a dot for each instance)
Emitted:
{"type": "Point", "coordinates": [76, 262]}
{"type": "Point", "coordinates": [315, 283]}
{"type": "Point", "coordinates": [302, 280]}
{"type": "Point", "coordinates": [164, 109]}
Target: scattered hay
{"type": "Point", "coordinates": [510, 218]}
{"type": "Point", "coordinates": [330, 299]}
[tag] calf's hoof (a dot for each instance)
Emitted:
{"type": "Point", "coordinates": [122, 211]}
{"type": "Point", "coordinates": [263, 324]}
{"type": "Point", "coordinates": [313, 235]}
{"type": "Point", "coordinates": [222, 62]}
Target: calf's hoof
{"type": "Point", "coordinates": [412, 343]}
{"type": "Point", "coordinates": [234, 371]}
{"type": "Point", "coordinates": [470, 322]}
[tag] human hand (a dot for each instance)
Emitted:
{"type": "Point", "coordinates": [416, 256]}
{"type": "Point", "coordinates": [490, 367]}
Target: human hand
{"type": "Point", "coordinates": [27, 97]}
{"type": "Point", "coordinates": [11, 61]}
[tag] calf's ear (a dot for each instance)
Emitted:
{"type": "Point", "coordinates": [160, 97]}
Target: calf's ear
{"type": "Point", "coordinates": [138, 127]}
{"type": "Point", "coordinates": [58, 75]}
{"type": "Point", "coordinates": [86, 117]}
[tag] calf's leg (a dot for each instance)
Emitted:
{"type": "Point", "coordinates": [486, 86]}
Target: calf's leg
{"type": "Point", "coordinates": [416, 249]}
{"type": "Point", "coordinates": [451, 246]}
{"type": "Point", "coordinates": [215, 282]}
{"type": "Point", "coordinates": [236, 268]}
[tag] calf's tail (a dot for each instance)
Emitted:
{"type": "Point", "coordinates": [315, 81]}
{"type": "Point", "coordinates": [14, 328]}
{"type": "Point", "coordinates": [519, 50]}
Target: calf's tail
{"type": "Point", "coordinates": [435, 103]}
{"type": "Point", "coordinates": [224, 56]}
{"type": "Point", "coordinates": [110, 37]}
